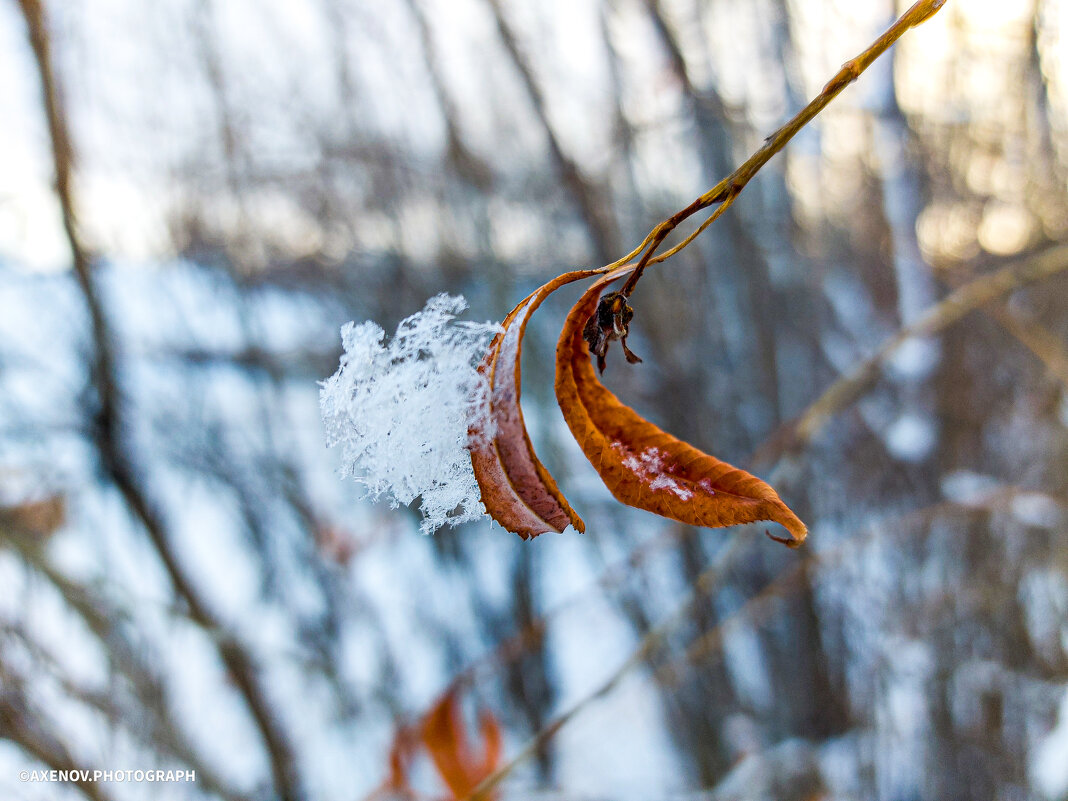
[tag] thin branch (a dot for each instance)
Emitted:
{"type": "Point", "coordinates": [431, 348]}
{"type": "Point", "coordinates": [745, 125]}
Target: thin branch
{"type": "Point", "coordinates": [649, 644]}
{"type": "Point", "coordinates": [969, 297]}
{"type": "Point", "coordinates": [724, 193]}
{"type": "Point", "coordinates": [758, 607]}
{"type": "Point", "coordinates": [583, 191]}
{"type": "Point", "coordinates": [22, 725]}
{"type": "Point", "coordinates": [727, 189]}
{"type": "Point", "coordinates": [104, 619]}
{"type": "Point", "coordinates": [1048, 348]}
{"type": "Point", "coordinates": [115, 460]}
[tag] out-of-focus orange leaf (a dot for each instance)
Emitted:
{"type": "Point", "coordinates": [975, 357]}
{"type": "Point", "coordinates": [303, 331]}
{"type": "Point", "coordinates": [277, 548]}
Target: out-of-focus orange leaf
{"type": "Point", "coordinates": [446, 741]}
{"type": "Point", "coordinates": [517, 490]}
{"type": "Point", "coordinates": [402, 751]}
{"type": "Point", "coordinates": [644, 466]}
{"type": "Point", "coordinates": [37, 517]}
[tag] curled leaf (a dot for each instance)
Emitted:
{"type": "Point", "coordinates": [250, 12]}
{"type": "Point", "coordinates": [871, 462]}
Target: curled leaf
{"type": "Point", "coordinates": [644, 466]}
{"type": "Point", "coordinates": [517, 490]}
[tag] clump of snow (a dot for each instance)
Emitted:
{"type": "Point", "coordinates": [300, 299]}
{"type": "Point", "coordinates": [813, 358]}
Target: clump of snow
{"type": "Point", "coordinates": [667, 482]}
{"type": "Point", "coordinates": [400, 410]}
{"type": "Point", "coordinates": [650, 465]}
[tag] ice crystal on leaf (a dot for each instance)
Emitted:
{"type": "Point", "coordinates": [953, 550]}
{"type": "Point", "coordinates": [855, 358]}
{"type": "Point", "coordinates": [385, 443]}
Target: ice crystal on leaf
{"type": "Point", "coordinates": [400, 409]}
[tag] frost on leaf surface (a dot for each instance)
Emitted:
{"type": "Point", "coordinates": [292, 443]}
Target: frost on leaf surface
{"type": "Point", "coordinates": [400, 409]}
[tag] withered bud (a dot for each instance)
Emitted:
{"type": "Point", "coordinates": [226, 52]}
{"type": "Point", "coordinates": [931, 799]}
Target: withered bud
{"type": "Point", "coordinates": [610, 321]}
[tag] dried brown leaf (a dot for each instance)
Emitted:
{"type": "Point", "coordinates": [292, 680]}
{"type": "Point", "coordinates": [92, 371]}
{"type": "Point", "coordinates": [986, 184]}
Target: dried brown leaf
{"type": "Point", "coordinates": [517, 490]}
{"type": "Point", "coordinates": [644, 466]}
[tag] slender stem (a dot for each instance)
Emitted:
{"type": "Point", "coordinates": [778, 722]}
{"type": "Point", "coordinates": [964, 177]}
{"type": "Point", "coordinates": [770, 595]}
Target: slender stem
{"type": "Point", "coordinates": [730, 187]}
{"type": "Point", "coordinates": [726, 204]}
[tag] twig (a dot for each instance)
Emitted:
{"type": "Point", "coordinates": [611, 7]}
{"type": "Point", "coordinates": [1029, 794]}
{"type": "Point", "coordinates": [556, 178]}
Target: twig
{"type": "Point", "coordinates": [105, 620]}
{"type": "Point", "coordinates": [584, 193]}
{"type": "Point", "coordinates": [1048, 348]}
{"type": "Point", "coordinates": [752, 609]}
{"type": "Point", "coordinates": [723, 193]}
{"type": "Point", "coordinates": [728, 189]}
{"type": "Point", "coordinates": [648, 645]}
{"type": "Point", "coordinates": [115, 460]}
{"type": "Point", "coordinates": [958, 303]}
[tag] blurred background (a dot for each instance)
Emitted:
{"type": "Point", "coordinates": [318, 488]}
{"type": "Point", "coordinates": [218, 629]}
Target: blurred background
{"type": "Point", "coordinates": [185, 581]}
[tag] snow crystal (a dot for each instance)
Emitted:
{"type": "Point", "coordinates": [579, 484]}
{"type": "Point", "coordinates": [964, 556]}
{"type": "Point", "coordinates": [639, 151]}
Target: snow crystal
{"type": "Point", "coordinates": [668, 483]}
{"type": "Point", "coordinates": [400, 410]}
{"type": "Point", "coordinates": [650, 465]}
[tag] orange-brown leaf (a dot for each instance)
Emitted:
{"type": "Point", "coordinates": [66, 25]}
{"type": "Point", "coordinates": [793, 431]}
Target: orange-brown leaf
{"type": "Point", "coordinates": [644, 466]}
{"type": "Point", "coordinates": [446, 741]}
{"type": "Point", "coordinates": [517, 490]}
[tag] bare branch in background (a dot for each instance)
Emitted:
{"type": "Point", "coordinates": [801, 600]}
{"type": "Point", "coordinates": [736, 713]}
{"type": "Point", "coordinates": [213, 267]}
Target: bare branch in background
{"type": "Point", "coordinates": [110, 435]}
{"type": "Point", "coordinates": [589, 199]}
{"type": "Point", "coordinates": [154, 720]}
{"type": "Point", "coordinates": [971, 296]}
{"type": "Point", "coordinates": [22, 725]}
{"type": "Point", "coordinates": [470, 166]}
